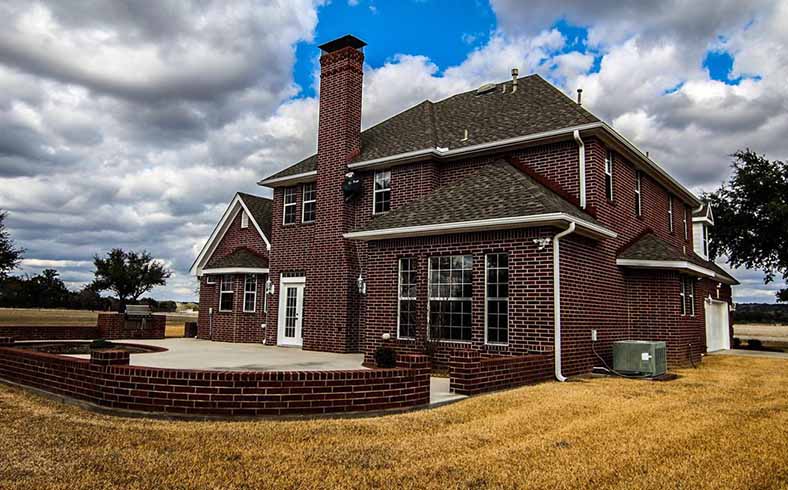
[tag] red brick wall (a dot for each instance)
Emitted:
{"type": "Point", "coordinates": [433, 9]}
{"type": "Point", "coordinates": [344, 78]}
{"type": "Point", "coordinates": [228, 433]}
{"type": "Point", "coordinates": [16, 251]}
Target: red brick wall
{"type": "Point", "coordinates": [219, 393]}
{"type": "Point", "coordinates": [236, 325]}
{"type": "Point", "coordinates": [116, 326]}
{"type": "Point", "coordinates": [471, 374]}
{"type": "Point", "coordinates": [39, 332]}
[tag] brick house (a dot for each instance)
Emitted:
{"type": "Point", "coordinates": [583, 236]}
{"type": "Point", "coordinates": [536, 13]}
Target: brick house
{"type": "Point", "coordinates": [507, 220]}
{"type": "Point", "coordinates": [233, 268]}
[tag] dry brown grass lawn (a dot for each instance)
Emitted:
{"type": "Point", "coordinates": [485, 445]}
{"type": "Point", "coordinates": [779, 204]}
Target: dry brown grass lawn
{"type": "Point", "coordinates": [55, 317]}
{"type": "Point", "coordinates": [724, 425]}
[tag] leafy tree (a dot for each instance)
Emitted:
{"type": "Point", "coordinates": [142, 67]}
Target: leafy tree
{"type": "Point", "coordinates": [9, 255]}
{"type": "Point", "coordinates": [128, 274]}
{"type": "Point", "coordinates": [751, 216]}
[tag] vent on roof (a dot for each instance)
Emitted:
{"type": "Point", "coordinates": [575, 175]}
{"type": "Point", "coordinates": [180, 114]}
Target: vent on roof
{"type": "Point", "coordinates": [484, 88]}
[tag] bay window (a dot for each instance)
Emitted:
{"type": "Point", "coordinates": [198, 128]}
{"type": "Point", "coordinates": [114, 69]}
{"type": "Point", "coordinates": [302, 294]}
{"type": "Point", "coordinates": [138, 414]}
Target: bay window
{"type": "Point", "coordinates": [250, 293]}
{"type": "Point", "coordinates": [226, 293]}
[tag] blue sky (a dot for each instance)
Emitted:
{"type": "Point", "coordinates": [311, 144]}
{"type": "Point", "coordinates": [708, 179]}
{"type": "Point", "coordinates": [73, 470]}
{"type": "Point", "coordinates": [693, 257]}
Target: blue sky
{"type": "Point", "coordinates": [123, 126]}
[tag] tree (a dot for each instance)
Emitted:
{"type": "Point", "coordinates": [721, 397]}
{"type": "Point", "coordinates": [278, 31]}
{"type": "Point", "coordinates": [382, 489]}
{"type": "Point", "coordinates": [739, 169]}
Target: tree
{"type": "Point", "coordinates": [128, 274]}
{"type": "Point", "coordinates": [751, 216]}
{"type": "Point", "coordinates": [9, 255]}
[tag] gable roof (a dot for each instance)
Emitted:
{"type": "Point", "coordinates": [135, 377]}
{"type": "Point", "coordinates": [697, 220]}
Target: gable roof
{"type": "Point", "coordinates": [535, 107]}
{"type": "Point", "coordinates": [239, 258]}
{"type": "Point", "coordinates": [497, 195]}
{"type": "Point", "coordinates": [703, 213]}
{"type": "Point", "coordinates": [649, 251]}
{"type": "Point", "coordinates": [259, 209]}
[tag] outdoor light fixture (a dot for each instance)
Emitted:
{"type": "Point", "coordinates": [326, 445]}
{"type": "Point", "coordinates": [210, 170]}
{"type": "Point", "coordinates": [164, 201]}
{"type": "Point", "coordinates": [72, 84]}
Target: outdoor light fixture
{"type": "Point", "coordinates": [386, 336]}
{"type": "Point", "coordinates": [269, 287]}
{"type": "Point", "coordinates": [362, 285]}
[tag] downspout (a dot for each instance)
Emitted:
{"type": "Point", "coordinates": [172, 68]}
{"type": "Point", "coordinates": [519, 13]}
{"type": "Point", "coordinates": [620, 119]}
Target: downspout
{"type": "Point", "coordinates": [557, 300]}
{"type": "Point", "coordinates": [582, 159]}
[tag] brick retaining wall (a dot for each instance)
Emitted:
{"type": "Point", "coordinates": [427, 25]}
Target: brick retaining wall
{"type": "Point", "coordinates": [471, 374]}
{"type": "Point", "coordinates": [59, 332]}
{"type": "Point", "coordinates": [103, 382]}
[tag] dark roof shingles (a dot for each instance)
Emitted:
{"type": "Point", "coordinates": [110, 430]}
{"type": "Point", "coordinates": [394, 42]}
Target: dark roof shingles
{"type": "Point", "coordinates": [494, 191]}
{"type": "Point", "coordinates": [261, 209]}
{"type": "Point", "coordinates": [240, 257]}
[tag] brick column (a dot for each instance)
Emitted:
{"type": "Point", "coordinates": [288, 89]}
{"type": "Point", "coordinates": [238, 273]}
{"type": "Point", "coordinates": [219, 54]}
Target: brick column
{"type": "Point", "coordinates": [110, 357]}
{"type": "Point", "coordinates": [464, 369]}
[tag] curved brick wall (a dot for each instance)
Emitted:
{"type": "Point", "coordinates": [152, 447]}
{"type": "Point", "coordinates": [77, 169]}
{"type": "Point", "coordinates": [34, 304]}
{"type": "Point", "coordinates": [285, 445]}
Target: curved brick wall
{"type": "Point", "coordinates": [60, 332]}
{"type": "Point", "coordinates": [106, 382]}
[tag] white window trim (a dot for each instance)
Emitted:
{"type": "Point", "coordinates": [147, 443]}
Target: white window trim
{"type": "Point", "coordinates": [285, 205]}
{"type": "Point", "coordinates": [304, 202]}
{"type": "Point", "coordinates": [486, 298]}
{"type": "Point", "coordinates": [686, 223]}
{"type": "Point", "coordinates": [670, 213]}
{"type": "Point", "coordinates": [246, 293]}
{"type": "Point", "coordinates": [448, 298]}
{"type": "Point", "coordinates": [375, 192]}
{"type": "Point", "coordinates": [683, 295]}
{"type": "Point", "coordinates": [223, 291]}
{"type": "Point", "coordinates": [609, 173]}
{"type": "Point", "coordinates": [401, 298]}
{"type": "Point", "coordinates": [244, 220]}
{"type": "Point", "coordinates": [638, 193]}
{"type": "Point", "coordinates": [705, 238]}
{"type": "Point", "coordinates": [210, 279]}
{"type": "Point", "coordinates": [691, 295]}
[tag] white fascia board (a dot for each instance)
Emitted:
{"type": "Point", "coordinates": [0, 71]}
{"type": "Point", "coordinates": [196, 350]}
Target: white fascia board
{"type": "Point", "coordinates": [666, 264]}
{"type": "Point", "coordinates": [702, 219]}
{"type": "Point", "coordinates": [287, 179]}
{"type": "Point", "coordinates": [220, 230]}
{"type": "Point", "coordinates": [482, 225]}
{"type": "Point", "coordinates": [235, 270]}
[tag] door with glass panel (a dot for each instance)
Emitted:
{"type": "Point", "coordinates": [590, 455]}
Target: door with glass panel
{"type": "Point", "coordinates": [291, 306]}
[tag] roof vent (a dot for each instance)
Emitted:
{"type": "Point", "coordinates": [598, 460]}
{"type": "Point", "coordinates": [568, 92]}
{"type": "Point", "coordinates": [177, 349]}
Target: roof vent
{"type": "Point", "coordinates": [484, 88]}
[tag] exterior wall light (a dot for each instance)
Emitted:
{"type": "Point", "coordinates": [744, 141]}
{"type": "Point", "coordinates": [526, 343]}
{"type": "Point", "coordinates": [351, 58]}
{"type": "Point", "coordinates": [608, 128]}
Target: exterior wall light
{"type": "Point", "coordinates": [269, 287]}
{"type": "Point", "coordinates": [386, 336]}
{"type": "Point", "coordinates": [362, 285]}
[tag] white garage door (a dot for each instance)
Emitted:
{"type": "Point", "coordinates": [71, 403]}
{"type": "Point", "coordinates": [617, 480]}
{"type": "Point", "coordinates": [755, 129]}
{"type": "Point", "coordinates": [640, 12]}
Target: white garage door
{"type": "Point", "coordinates": [717, 336]}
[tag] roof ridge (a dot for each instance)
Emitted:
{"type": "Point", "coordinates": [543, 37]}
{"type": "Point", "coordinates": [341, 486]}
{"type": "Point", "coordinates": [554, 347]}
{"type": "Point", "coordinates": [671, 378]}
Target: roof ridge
{"type": "Point", "coordinates": [255, 196]}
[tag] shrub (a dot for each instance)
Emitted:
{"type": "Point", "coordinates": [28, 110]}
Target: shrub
{"type": "Point", "coordinates": [736, 342]}
{"type": "Point", "coordinates": [385, 357]}
{"type": "Point", "coordinates": [101, 344]}
{"type": "Point", "coordinates": [754, 344]}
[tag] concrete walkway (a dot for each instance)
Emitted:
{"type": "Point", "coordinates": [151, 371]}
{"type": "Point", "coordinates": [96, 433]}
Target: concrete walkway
{"type": "Point", "coordinates": [749, 353]}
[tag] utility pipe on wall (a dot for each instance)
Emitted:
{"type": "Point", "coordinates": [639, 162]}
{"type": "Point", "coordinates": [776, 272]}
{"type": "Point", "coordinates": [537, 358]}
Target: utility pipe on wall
{"type": "Point", "coordinates": [557, 300]}
{"type": "Point", "coordinates": [582, 158]}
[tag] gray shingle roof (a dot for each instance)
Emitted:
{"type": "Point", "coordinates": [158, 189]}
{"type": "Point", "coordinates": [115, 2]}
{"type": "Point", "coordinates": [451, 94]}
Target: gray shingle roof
{"type": "Point", "coordinates": [240, 257]}
{"type": "Point", "coordinates": [494, 191]}
{"type": "Point", "coordinates": [261, 209]}
{"type": "Point", "coordinates": [649, 247]}
{"type": "Point", "coordinates": [537, 106]}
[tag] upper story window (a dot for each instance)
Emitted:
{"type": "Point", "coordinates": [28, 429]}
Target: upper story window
{"type": "Point", "coordinates": [244, 220]}
{"type": "Point", "coordinates": [638, 193]}
{"type": "Point", "coordinates": [705, 230]}
{"type": "Point", "coordinates": [250, 293]}
{"type": "Point", "coordinates": [685, 222]}
{"type": "Point", "coordinates": [687, 296]}
{"type": "Point", "coordinates": [609, 175]}
{"type": "Point", "coordinates": [309, 196]}
{"type": "Point", "coordinates": [289, 213]}
{"type": "Point", "coordinates": [226, 293]}
{"type": "Point", "coordinates": [670, 213]}
{"type": "Point", "coordinates": [497, 299]}
{"type": "Point", "coordinates": [406, 308]}
{"type": "Point", "coordinates": [450, 297]}
{"type": "Point", "coordinates": [381, 196]}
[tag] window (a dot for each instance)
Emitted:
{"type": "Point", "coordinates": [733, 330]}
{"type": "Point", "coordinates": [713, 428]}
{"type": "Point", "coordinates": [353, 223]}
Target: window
{"type": "Point", "coordinates": [705, 230]}
{"type": "Point", "coordinates": [685, 222]}
{"type": "Point", "coordinates": [450, 295]}
{"type": "Point", "coordinates": [687, 296]}
{"type": "Point", "coordinates": [226, 293]}
{"type": "Point", "coordinates": [406, 312]}
{"type": "Point", "coordinates": [638, 194]}
{"type": "Point", "coordinates": [250, 293]}
{"type": "Point", "coordinates": [244, 220]}
{"type": "Point", "coordinates": [381, 197]}
{"type": "Point", "coordinates": [308, 196]}
{"type": "Point", "coordinates": [290, 206]}
{"type": "Point", "coordinates": [497, 299]}
{"type": "Point", "coordinates": [609, 175]}
{"type": "Point", "coordinates": [670, 213]}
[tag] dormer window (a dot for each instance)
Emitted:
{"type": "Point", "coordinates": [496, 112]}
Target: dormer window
{"type": "Point", "coordinates": [381, 196]}
{"type": "Point", "coordinates": [244, 220]}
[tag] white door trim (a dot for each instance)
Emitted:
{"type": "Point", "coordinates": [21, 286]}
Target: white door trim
{"type": "Point", "coordinates": [717, 325]}
{"type": "Point", "coordinates": [286, 283]}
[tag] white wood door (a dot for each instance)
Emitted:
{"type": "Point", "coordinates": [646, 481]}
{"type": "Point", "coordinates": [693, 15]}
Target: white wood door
{"type": "Point", "coordinates": [291, 309]}
{"type": "Point", "coordinates": [717, 336]}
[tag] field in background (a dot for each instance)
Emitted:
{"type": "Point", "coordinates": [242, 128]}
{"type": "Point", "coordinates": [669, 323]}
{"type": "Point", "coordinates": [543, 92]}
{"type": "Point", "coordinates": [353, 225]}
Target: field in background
{"type": "Point", "coordinates": [723, 425]}
{"type": "Point", "coordinates": [54, 317]}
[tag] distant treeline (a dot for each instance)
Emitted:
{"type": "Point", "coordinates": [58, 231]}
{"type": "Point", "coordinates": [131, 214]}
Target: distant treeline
{"type": "Point", "coordinates": [47, 290]}
{"type": "Point", "coordinates": [761, 313]}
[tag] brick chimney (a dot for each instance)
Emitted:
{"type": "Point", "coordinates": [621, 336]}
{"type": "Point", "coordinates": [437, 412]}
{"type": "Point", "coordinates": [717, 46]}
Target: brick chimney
{"type": "Point", "coordinates": [331, 317]}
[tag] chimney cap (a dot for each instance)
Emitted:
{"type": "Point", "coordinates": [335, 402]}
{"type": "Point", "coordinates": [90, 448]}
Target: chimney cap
{"type": "Point", "coordinates": [342, 42]}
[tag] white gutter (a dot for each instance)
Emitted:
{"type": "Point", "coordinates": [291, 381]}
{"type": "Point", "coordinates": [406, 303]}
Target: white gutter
{"type": "Point", "coordinates": [288, 178]}
{"type": "Point", "coordinates": [482, 224]}
{"type": "Point", "coordinates": [581, 149]}
{"type": "Point", "coordinates": [235, 270]}
{"type": "Point", "coordinates": [557, 301]}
